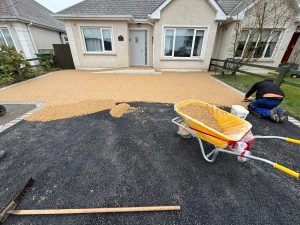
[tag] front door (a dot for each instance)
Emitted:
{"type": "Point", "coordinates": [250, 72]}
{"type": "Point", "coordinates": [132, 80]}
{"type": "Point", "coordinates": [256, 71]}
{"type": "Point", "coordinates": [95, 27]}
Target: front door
{"type": "Point", "coordinates": [138, 48]}
{"type": "Point", "coordinates": [290, 48]}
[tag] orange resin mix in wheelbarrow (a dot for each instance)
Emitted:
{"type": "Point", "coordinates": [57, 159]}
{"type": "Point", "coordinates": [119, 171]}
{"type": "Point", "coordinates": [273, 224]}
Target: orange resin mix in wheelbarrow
{"type": "Point", "coordinates": [232, 132]}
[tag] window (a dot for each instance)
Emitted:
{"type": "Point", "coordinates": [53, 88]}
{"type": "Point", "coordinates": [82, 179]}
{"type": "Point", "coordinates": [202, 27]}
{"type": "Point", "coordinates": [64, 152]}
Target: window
{"type": "Point", "coordinates": [262, 42]}
{"type": "Point", "coordinates": [183, 42]}
{"type": "Point", "coordinates": [5, 38]}
{"type": "Point", "coordinates": [97, 39]}
{"type": "Point", "coordinates": [272, 43]}
{"type": "Point", "coordinates": [241, 44]}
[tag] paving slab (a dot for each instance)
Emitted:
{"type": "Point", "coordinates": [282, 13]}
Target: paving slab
{"type": "Point", "coordinates": [13, 111]}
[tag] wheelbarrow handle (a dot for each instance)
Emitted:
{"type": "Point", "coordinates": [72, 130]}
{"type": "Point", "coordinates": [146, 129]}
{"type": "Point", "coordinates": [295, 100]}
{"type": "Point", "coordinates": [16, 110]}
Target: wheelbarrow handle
{"type": "Point", "coordinates": [295, 141]}
{"type": "Point", "coordinates": [291, 140]}
{"type": "Point", "coordinates": [286, 170]}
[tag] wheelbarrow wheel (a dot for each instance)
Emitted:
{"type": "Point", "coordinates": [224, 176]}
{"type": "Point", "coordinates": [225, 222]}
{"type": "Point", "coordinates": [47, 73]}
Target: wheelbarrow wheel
{"type": "Point", "coordinates": [2, 110]}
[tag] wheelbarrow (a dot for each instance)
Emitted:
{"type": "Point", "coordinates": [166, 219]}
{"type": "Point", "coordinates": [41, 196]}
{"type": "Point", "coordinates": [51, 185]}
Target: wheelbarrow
{"type": "Point", "coordinates": [236, 137]}
{"type": "Point", "coordinates": [2, 110]}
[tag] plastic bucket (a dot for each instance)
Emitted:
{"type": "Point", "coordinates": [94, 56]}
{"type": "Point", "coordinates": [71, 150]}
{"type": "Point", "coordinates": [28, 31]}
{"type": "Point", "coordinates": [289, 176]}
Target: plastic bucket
{"type": "Point", "coordinates": [239, 111]}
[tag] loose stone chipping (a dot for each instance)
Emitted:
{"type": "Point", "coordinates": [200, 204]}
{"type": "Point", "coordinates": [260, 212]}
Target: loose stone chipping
{"type": "Point", "coordinates": [70, 93]}
{"type": "Point", "coordinates": [201, 114]}
{"type": "Point", "coordinates": [120, 109]}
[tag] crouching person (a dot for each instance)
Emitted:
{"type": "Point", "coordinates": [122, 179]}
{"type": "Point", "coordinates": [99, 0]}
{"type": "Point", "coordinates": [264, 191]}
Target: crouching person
{"type": "Point", "coordinates": [268, 97]}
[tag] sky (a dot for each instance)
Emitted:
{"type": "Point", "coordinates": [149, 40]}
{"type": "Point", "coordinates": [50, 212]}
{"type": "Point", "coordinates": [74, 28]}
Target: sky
{"type": "Point", "coordinates": [57, 5]}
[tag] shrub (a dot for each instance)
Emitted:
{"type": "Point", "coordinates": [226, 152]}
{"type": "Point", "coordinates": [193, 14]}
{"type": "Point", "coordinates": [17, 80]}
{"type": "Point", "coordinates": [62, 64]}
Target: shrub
{"type": "Point", "coordinates": [4, 79]}
{"type": "Point", "coordinates": [46, 61]}
{"type": "Point", "coordinates": [47, 64]}
{"type": "Point", "coordinates": [13, 65]}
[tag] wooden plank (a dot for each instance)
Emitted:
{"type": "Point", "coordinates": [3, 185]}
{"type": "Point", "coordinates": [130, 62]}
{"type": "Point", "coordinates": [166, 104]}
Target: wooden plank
{"type": "Point", "coordinates": [216, 65]}
{"type": "Point", "coordinates": [94, 210]}
{"type": "Point", "coordinates": [248, 64]}
{"type": "Point", "coordinates": [259, 66]}
{"type": "Point", "coordinates": [218, 60]}
{"type": "Point", "coordinates": [32, 59]}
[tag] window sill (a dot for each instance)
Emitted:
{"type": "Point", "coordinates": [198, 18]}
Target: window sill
{"type": "Point", "coordinates": [266, 60]}
{"type": "Point", "coordinates": [182, 59]}
{"type": "Point", "coordinates": [100, 53]}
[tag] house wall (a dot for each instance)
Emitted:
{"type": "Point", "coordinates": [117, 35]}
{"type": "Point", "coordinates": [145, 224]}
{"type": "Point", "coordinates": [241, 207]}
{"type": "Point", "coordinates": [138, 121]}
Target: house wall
{"type": "Point", "coordinates": [21, 38]}
{"type": "Point", "coordinates": [44, 38]}
{"type": "Point", "coordinates": [83, 60]}
{"type": "Point", "coordinates": [149, 28]}
{"type": "Point", "coordinates": [195, 13]}
{"type": "Point", "coordinates": [224, 41]}
{"type": "Point", "coordinates": [227, 33]}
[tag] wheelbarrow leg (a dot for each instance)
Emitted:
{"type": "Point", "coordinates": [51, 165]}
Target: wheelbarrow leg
{"type": "Point", "coordinates": [210, 157]}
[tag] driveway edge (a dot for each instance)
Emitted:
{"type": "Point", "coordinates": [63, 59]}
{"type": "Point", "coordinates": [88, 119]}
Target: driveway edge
{"type": "Point", "coordinates": [38, 106]}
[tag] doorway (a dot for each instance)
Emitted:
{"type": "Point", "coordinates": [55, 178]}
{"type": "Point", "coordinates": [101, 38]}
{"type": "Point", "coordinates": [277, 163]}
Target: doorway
{"type": "Point", "coordinates": [290, 48]}
{"type": "Point", "coordinates": [138, 43]}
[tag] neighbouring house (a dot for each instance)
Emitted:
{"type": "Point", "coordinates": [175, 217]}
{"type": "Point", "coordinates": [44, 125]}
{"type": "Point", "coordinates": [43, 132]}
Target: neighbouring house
{"type": "Point", "coordinates": [165, 34]}
{"type": "Point", "coordinates": [29, 27]}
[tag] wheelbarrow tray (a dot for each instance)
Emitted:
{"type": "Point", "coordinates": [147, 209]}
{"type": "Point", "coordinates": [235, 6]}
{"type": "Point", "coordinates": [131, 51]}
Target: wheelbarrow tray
{"type": "Point", "coordinates": [233, 128]}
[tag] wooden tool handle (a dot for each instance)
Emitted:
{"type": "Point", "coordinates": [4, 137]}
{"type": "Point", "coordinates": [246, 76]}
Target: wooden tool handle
{"type": "Point", "coordinates": [94, 210]}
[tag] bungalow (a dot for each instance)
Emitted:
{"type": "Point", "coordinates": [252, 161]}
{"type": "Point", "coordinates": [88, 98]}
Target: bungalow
{"type": "Point", "coordinates": [165, 34]}
{"type": "Point", "coordinates": [29, 27]}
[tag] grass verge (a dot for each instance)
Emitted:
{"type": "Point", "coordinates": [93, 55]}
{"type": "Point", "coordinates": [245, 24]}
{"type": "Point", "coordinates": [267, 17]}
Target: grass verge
{"type": "Point", "coordinates": [244, 82]}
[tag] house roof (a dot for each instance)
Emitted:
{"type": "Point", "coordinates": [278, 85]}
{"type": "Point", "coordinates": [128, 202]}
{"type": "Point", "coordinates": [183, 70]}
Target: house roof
{"type": "Point", "coordinates": [228, 5]}
{"type": "Point", "coordinates": [139, 9]}
{"type": "Point", "coordinates": [29, 11]}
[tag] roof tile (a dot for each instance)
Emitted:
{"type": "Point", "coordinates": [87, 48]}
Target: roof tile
{"type": "Point", "coordinates": [139, 9]}
{"type": "Point", "coordinates": [29, 10]}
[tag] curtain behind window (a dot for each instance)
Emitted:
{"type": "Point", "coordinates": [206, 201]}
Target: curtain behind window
{"type": "Point", "coordinates": [198, 43]}
{"type": "Point", "coordinates": [93, 39]}
{"type": "Point", "coordinates": [169, 42]}
{"type": "Point", "coordinates": [6, 36]}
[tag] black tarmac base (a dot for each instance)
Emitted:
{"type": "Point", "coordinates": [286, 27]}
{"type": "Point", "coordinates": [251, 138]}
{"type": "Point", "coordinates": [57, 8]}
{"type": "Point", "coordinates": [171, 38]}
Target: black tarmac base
{"type": "Point", "coordinates": [139, 160]}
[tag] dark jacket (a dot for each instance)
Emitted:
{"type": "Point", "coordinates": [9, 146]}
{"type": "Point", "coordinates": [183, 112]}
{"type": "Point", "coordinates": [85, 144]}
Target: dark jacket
{"type": "Point", "coordinates": [264, 87]}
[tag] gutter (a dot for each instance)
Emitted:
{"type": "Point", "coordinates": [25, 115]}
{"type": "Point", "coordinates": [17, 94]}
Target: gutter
{"type": "Point", "coordinates": [15, 19]}
{"type": "Point", "coordinates": [94, 17]}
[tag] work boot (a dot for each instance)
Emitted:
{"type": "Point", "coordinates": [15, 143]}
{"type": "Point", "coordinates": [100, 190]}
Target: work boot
{"type": "Point", "coordinates": [274, 116]}
{"type": "Point", "coordinates": [283, 115]}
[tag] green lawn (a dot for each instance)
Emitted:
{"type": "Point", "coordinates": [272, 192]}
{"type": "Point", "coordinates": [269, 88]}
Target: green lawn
{"type": "Point", "coordinates": [295, 80]}
{"type": "Point", "coordinates": [244, 83]}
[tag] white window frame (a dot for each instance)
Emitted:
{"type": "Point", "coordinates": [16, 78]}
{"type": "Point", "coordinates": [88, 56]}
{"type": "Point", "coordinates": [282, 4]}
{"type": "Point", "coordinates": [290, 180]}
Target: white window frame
{"type": "Point", "coordinates": [5, 27]}
{"type": "Point", "coordinates": [205, 29]}
{"type": "Point", "coordinates": [267, 45]}
{"type": "Point", "coordinates": [98, 52]}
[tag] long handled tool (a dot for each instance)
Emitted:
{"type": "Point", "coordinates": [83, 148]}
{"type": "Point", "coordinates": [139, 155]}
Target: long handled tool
{"type": "Point", "coordinates": [9, 209]}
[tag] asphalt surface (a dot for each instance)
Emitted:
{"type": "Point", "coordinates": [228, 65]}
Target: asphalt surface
{"type": "Point", "coordinates": [13, 111]}
{"type": "Point", "coordinates": [139, 160]}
